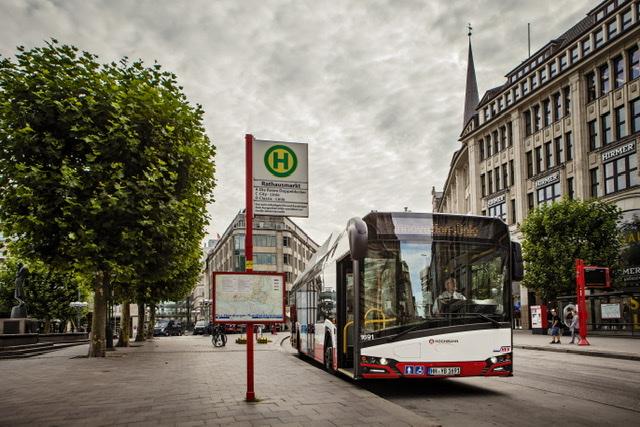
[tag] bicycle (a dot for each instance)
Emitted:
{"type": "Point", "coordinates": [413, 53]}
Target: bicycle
{"type": "Point", "coordinates": [218, 337]}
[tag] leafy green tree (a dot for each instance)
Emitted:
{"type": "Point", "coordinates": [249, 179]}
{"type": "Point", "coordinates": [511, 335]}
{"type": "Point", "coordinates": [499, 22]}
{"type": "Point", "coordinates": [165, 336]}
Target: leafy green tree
{"type": "Point", "coordinates": [98, 163]}
{"type": "Point", "coordinates": [557, 234]}
{"type": "Point", "coordinates": [48, 293]}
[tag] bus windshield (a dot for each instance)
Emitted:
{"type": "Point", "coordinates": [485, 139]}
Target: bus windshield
{"type": "Point", "coordinates": [433, 284]}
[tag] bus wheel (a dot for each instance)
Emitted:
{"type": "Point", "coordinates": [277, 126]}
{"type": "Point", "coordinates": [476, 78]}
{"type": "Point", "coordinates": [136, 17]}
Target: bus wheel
{"type": "Point", "coordinates": [328, 358]}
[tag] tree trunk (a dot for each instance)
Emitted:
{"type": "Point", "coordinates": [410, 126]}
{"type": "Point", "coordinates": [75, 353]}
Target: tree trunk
{"type": "Point", "coordinates": [125, 322]}
{"type": "Point", "coordinates": [98, 339]}
{"type": "Point", "coordinates": [140, 334]}
{"type": "Point", "coordinates": [47, 326]}
{"type": "Point", "coordinates": [152, 319]}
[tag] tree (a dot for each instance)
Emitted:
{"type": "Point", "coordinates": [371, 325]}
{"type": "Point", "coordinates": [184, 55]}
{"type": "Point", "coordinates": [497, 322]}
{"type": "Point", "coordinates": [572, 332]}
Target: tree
{"type": "Point", "coordinates": [48, 293]}
{"type": "Point", "coordinates": [96, 161]}
{"type": "Point", "coordinates": [556, 235]}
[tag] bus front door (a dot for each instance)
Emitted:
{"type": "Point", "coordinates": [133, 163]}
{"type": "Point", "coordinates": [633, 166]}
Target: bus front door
{"type": "Point", "coordinates": [345, 313]}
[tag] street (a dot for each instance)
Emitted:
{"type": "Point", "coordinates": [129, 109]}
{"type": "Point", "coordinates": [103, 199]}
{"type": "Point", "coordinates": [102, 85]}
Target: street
{"type": "Point", "coordinates": [547, 387]}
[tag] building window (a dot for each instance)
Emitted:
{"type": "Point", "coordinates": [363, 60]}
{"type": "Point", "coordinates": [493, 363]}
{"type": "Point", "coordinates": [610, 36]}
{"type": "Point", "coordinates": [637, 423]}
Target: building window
{"type": "Point", "coordinates": [586, 47]}
{"type": "Point", "coordinates": [548, 194]}
{"type": "Point", "coordinates": [481, 147]}
{"type": "Point", "coordinates": [618, 72]}
{"type": "Point", "coordinates": [553, 69]}
{"type": "Point", "coordinates": [496, 177]}
{"type": "Point", "coordinates": [527, 122]}
{"type": "Point", "coordinates": [635, 115]}
{"type": "Point", "coordinates": [543, 75]}
{"type": "Point", "coordinates": [286, 259]}
{"type": "Point", "coordinates": [574, 54]}
{"type": "Point", "coordinates": [505, 176]}
{"type": "Point", "coordinates": [511, 173]}
{"type": "Point", "coordinates": [513, 211]}
{"type": "Point", "coordinates": [592, 128]}
{"type": "Point", "coordinates": [566, 100]}
{"type": "Point", "coordinates": [546, 106]}
{"type": "Point", "coordinates": [534, 81]}
{"type": "Point", "coordinates": [538, 152]}
{"type": "Point", "coordinates": [483, 186]}
{"type": "Point", "coordinates": [496, 142]}
{"type": "Point", "coordinates": [536, 117]}
{"type": "Point", "coordinates": [529, 164]}
{"type": "Point", "coordinates": [604, 79]}
{"type": "Point", "coordinates": [621, 122]}
{"type": "Point", "coordinates": [626, 20]}
{"type": "Point", "coordinates": [612, 29]}
{"type": "Point", "coordinates": [548, 155]}
{"type": "Point", "coordinates": [593, 178]}
{"type": "Point", "coordinates": [557, 107]}
{"type": "Point", "coordinates": [286, 241]}
{"type": "Point", "coordinates": [503, 137]}
{"type": "Point", "coordinates": [591, 86]}
{"type": "Point", "coordinates": [490, 181]}
{"type": "Point", "coordinates": [568, 139]}
{"type": "Point", "coordinates": [264, 241]}
{"type": "Point", "coordinates": [621, 173]}
{"type": "Point", "coordinates": [599, 38]}
{"type": "Point", "coordinates": [607, 135]}
{"type": "Point", "coordinates": [563, 62]}
{"type": "Point", "coordinates": [634, 62]}
{"type": "Point", "coordinates": [530, 204]}
{"type": "Point", "coordinates": [570, 188]}
{"type": "Point", "coordinates": [498, 211]}
{"type": "Point", "coordinates": [509, 134]}
{"type": "Point", "coordinates": [264, 258]}
{"type": "Point", "coordinates": [559, 150]}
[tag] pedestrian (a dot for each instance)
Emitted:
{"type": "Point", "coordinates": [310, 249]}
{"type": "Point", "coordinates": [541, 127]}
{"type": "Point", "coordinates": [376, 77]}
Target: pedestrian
{"type": "Point", "coordinates": [555, 327]}
{"type": "Point", "coordinates": [574, 326]}
{"type": "Point", "coordinates": [516, 315]}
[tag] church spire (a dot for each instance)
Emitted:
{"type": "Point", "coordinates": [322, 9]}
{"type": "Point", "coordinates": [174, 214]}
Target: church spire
{"type": "Point", "coordinates": [471, 92]}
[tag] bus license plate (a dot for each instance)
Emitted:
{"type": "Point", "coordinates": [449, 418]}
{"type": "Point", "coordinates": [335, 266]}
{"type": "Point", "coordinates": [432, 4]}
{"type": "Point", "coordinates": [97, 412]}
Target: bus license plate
{"type": "Point", "coordinates": [444, 371]}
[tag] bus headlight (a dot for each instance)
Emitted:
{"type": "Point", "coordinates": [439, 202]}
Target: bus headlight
{"type": "Point", "coordinates": [494, 359]}
{"type": "Point", "coordinates": [384, 361]}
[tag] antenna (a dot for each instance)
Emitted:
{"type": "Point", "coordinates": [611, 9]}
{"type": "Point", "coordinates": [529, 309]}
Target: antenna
{"type": "Point", "coordinates": [469, 28]}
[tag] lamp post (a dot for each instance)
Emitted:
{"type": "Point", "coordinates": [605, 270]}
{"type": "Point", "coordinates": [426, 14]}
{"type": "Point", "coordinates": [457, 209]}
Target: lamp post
{"type": "Point", "coordinates": [78, 305]}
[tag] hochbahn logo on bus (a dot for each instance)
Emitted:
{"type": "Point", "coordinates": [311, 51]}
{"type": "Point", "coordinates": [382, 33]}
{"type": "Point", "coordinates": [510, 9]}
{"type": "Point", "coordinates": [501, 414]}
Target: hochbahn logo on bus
{"type": "Point", "coordinates": [443, 341]}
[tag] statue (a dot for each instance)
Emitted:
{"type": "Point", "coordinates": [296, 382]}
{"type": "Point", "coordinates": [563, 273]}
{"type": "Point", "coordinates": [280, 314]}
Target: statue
{"type": "Point", "coordinates": [20, 311]}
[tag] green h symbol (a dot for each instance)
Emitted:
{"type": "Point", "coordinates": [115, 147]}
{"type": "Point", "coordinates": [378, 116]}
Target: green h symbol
{"type": "Point", "coordinates": [284, 160]}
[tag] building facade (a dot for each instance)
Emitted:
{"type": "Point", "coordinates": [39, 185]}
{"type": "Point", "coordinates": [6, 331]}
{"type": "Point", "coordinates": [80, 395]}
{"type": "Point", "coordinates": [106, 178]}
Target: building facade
{"type": "Point", "coordinates": [566, 123]}
{"type": "Point", "coordinates": [279, 245]}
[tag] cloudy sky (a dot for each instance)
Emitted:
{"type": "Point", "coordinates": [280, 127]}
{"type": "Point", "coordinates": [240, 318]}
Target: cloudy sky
{"type": "Point", "coordinates": [376, 88]}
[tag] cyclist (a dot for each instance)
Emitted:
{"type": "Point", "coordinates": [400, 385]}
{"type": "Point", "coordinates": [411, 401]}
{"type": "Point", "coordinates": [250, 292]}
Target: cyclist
{"type": "Point", "coordinates": [218, 337]}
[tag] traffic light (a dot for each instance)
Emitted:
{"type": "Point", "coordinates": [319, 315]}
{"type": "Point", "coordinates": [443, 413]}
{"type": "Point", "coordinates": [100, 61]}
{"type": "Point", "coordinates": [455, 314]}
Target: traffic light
{"type": "Point", "coordinates": [596, 277]}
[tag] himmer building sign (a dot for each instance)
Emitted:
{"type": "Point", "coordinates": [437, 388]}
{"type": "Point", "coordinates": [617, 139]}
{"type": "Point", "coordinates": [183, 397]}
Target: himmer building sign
{"type": "Point", "coordinates": [280, 179]}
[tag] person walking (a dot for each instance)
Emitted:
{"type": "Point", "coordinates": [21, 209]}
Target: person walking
{"type": "Point", "coordinates": [574, 326]}
{"type": "Point", "coordinates": [555, 327]}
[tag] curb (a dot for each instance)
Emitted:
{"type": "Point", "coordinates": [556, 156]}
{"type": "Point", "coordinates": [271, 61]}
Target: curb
{"type": "Point", "coordinates": [609, 355]}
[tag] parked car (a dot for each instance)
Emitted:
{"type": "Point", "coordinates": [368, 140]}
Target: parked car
{"type": "Point", "coordinates": [201, 328]}
{"type": "Point", "coordinates": [167, 328]}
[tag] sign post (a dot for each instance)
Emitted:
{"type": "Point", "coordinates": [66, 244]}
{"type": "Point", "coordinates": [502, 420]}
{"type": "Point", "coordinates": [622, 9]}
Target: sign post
{"type": "Point", "coordinates": [276, 184]}
{"type": "Point", "coordinates": [582, 302]}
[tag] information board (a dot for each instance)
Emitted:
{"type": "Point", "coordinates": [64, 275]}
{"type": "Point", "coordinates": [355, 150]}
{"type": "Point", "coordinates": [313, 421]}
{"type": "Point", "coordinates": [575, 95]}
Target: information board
{"type": "Point", "coordinates": [610, 311]}
{"type": "Point", "coordinates": [248, 297]}
{"type": "Point", "coordinates": [280, 178]}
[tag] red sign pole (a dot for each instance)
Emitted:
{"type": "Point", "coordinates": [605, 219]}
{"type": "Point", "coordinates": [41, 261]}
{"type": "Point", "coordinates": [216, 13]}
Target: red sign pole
{"type": "Point", "coordinates": [248, 255]}
{"type": "Point", "coordinates": [582, 302]}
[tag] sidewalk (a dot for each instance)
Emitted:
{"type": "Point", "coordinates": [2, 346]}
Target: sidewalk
{"type": "Point", "coordinates": [185, 381]}
{"type": "Point", "coordinates": [612, 347]}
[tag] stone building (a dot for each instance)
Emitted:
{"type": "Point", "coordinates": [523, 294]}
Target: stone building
{"type": "Point", "coordinates": [565, 123]}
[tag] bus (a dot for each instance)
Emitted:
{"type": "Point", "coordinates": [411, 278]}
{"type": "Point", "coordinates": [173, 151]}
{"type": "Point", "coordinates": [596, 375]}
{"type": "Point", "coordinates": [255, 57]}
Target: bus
{"type": "Point", "coordinates": [415, 295]}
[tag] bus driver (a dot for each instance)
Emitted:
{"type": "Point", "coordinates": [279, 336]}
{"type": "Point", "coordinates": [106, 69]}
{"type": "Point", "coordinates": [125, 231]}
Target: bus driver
{"type": "Point", "coordinates": [448, 296]}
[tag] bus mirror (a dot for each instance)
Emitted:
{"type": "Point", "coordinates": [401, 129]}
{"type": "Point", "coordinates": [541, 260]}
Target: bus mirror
{"type": "Point", "coordinates": [358, 238]}
{"type": "Point", "coordinates": [517, 266]}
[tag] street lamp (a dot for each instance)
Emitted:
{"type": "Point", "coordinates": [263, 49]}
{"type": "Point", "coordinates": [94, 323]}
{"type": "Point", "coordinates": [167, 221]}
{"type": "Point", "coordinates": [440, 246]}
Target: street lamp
{"type": "Point", "coordinates": [79, 305]}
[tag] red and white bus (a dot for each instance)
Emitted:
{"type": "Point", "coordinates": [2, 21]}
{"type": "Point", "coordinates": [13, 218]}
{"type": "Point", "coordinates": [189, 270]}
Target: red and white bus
{"type": "Point", "coordinates": [433, 297]}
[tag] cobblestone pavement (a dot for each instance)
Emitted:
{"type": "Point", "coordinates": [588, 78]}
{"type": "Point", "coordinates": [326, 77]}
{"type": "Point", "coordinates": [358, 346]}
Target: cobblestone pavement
{"type": "Point", "coordinates": [185, 381]}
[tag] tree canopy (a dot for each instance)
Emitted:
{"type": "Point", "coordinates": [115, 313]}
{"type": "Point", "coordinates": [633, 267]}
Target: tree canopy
{"type": "Point", "coordinates": [557, 234]}
{"type": "Point", "coordinates": [104, 169]}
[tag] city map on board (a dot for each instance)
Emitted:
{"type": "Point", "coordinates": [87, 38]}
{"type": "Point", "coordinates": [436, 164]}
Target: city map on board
{"type": "Point", "coordinates": [249, 298]}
